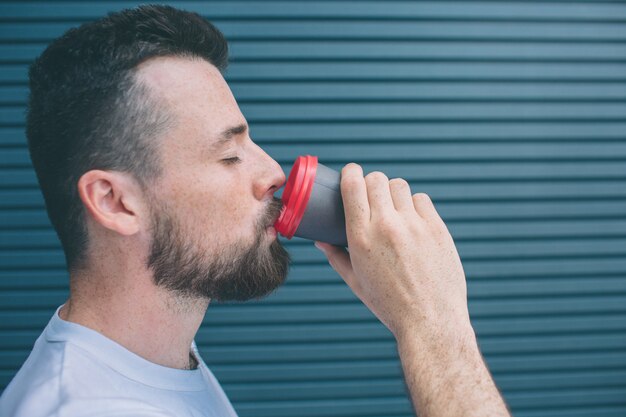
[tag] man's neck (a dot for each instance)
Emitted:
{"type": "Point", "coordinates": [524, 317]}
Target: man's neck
{"type": "Point", "coordinates": [143, 318]}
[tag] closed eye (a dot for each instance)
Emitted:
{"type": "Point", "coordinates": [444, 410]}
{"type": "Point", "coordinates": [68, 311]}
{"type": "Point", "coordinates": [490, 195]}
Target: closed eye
{"type": "Point", "coordinates": [233, 160]}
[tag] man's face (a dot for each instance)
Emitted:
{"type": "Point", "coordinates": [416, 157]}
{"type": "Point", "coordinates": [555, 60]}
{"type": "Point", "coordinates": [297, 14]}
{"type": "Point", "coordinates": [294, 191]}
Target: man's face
{"type": "Point", "coordinates": [210, 212]}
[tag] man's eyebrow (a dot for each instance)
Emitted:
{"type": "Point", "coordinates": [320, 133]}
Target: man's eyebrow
{"type": "Point", "coordinates": [227, 135]}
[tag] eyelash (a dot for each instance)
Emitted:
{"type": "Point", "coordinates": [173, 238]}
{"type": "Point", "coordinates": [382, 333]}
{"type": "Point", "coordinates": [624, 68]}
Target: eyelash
{"type": "Point", "coordinates": [231, 161]}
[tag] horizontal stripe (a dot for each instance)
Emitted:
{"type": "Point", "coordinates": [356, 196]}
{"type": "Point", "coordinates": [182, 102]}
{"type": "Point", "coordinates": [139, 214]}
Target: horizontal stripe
{"type": "Point", "coordinates": [348, 29]}
{"type": "Point", "coordinates": [246, 50]}
{"type": "Point", "coordinates": [394, 71]}
{"type": "Point", "coordinates": [585, 10]}
{"type": "Point", "coordinates": [306, 92]}
{"type": "Point", "coordinates": [439, 132]}
{"type": "Point", "coordinates": [29, 244]}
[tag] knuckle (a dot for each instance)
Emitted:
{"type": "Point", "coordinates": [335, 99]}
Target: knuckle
{"type": "Point", "coordinates": [358, 240]}
{"type": "Point", "coordinates": [417, 228]}
{"type": "Point", "coordinates": [387, 226]}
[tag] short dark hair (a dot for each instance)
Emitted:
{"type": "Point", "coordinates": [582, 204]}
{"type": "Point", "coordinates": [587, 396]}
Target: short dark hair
{"type": "Point", "coordinates": [87, 110]}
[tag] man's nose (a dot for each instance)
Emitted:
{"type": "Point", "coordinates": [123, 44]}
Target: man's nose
{"type": "Point", "coordinates": [270, 178]}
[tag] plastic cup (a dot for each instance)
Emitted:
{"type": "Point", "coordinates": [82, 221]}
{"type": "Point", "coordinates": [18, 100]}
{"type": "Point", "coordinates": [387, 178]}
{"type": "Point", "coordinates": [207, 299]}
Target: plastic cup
{"type": "Point", "coordinates": [312, 204]}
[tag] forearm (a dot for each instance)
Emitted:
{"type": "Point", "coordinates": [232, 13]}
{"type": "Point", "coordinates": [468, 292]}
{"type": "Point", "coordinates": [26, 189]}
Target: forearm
{"type": "Point", "coordinates": [446, 376]}
{"type": "Point", "coordinates": [403, 264]}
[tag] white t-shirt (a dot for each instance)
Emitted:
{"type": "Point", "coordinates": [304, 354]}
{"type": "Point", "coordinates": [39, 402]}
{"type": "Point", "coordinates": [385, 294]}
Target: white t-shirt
{"type": "Point", "coordinates": [74, 371]}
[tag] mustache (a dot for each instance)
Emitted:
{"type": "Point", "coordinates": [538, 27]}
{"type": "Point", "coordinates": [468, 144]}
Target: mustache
{"type": "Point", "coordinates": [271, 213]}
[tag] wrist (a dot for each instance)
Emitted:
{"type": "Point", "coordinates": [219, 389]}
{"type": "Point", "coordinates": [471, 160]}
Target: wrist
{"type": "Point", "coordinates": [446, 373]}
{"type": "Point", "coordinates": [439, 340]}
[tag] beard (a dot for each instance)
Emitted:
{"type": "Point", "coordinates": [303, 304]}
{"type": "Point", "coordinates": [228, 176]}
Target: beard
{"type": "Point", "coordinates": [238, 272]}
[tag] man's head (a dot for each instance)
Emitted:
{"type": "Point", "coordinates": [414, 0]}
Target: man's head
{"type": "Point", "coordinates": [132, 131]}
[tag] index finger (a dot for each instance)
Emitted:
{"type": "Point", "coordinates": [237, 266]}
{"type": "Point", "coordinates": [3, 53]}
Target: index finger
{"type": "Point", "coordinates": [354, 194]}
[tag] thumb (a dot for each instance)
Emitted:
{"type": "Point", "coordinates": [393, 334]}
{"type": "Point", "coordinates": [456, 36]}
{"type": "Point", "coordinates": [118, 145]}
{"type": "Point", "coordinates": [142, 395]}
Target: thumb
{"type": "Point", "coordinates": [339, 259]}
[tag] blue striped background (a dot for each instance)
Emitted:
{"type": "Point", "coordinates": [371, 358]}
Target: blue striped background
{"type": "Point", "coordinates": [511, 115]}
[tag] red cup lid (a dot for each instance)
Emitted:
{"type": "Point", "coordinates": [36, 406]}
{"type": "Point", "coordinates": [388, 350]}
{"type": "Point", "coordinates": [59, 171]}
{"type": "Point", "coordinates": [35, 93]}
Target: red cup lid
{"type": "Point", "coordinates": [296, 195]}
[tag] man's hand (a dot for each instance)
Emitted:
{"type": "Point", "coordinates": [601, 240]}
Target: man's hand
{"type": "Point", "coordinates": [402, 262]}
{"type": "Point", "coordinates": [403, 265]}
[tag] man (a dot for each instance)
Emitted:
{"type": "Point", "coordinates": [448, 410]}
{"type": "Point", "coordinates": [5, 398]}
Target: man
{"type": "Point", "coordinates": [162, 202]}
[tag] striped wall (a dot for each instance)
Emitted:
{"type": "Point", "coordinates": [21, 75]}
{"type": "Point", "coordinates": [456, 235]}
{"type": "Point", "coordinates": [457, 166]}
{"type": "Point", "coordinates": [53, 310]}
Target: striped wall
{"type": "Point", "coordinates": [511, 115]}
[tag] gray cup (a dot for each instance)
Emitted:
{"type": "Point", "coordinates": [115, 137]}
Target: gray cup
{"type": "Point", "coordinates": [323, 218]}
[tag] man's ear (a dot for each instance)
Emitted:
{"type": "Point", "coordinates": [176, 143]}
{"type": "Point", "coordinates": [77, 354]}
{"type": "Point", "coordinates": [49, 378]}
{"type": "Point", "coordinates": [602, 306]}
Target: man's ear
{"type": "Point", "coordinates": [113, 199]}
